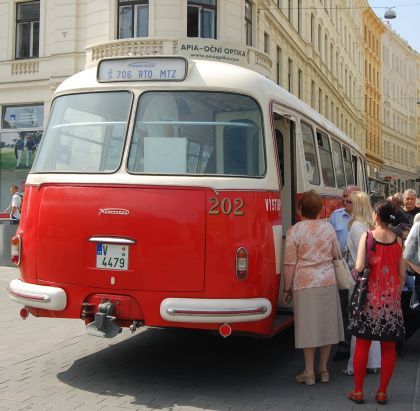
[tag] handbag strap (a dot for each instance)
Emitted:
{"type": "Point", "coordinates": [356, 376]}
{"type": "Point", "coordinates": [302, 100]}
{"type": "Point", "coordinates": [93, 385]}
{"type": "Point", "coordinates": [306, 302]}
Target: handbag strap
{"type": "Point", "coordinates": [370, 246]}
{"type": "Point", "coordinates": [337, 249]}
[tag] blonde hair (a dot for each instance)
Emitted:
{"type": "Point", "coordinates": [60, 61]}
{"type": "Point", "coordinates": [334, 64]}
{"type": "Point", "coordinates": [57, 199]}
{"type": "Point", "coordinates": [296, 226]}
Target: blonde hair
{"type": "Point", "coordinates": [362, 210]}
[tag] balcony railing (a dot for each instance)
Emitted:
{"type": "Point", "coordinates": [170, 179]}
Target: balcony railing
{"type": "Point", "coordinates": [20, 67]}
{"type": "Point", "coordinates": [208, 49]}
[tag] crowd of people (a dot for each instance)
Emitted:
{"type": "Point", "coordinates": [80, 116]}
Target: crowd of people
{"type": "Point", "coordinates": [380, 244]}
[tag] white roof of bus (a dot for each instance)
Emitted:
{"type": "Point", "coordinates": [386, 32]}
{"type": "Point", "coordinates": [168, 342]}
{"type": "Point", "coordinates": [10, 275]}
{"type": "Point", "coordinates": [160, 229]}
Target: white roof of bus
{"type": "Point", "coordinates": [204, 74]}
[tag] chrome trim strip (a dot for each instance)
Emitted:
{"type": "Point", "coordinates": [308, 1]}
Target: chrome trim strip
{"type": "Point", "coordinates": [37, 296]}
{"type": "Point", "coordinates": [112, 240]}
{"type": "Point", "coordinates": [218, 311]}
{"type": "Point", "coordinates": [202, 310]}
{"type": "Point", "coordinates": [30, 296]}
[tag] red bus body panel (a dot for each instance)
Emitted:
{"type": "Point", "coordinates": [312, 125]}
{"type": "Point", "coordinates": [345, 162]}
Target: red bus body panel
{"type": "Point", "coordinates": [184, 247]}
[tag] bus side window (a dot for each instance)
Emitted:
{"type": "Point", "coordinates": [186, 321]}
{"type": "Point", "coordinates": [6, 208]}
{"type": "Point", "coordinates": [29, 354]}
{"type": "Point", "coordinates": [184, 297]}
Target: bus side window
{"type": "Point", "coordinates": [338, 163]}
{"type": "Point", "coordinates": [311, 165]}
{"type": "Point", "coordinates": [355, 168]}
{"type": "Point", "coordinates": [326, 160]}
{"type": "Point", "coordinates": [348, 168]}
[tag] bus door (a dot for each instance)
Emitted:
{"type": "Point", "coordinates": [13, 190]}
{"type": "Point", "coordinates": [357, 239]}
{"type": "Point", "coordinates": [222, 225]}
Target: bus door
{"type": "Point", "coordinates": [285, 135]}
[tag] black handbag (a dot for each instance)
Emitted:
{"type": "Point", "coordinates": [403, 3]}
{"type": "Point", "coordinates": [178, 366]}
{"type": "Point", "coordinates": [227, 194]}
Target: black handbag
{"type": "Point", "coordinates": [358, 298]}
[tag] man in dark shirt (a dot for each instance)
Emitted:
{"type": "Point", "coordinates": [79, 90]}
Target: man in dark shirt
{"type": "Point", "coordinates": [406, 214]}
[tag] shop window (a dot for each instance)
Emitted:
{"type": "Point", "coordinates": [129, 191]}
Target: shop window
{"type": "Point", "coordinates": [19, 117]}
{"type": "Point", "coordinates": [133, 18]}
{"type": "Point", "coordinates": [201, 18]}
{"type": "Point", "coordinates": [27, 30]}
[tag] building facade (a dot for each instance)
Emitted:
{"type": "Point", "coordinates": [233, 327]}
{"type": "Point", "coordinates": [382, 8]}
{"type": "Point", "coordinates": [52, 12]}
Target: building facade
{"type": "Point", "coordinates": [418, 123]}
{"type": "Point", "coordinates": [372, 33]}
{"type": "Point", "coordinates": [398, 111]}
{"type": "Point", "coordinates": [319, 50]}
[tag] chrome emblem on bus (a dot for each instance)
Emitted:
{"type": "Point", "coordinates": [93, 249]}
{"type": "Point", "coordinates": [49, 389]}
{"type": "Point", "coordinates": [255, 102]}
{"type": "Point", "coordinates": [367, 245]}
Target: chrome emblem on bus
{"type": "Point", "coordinates": [114, 211]}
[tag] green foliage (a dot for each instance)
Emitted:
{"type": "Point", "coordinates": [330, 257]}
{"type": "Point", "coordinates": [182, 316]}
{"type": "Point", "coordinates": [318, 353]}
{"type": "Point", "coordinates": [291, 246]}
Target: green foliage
{"type": "Point", "coordinates": [7, 158]}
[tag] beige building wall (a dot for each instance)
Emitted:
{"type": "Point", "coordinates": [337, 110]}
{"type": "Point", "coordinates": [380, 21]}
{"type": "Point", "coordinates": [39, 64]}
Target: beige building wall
{"type": "Point", "coordinates": [317, 54]}
{"type": "Point", "coordinates": [372, 33]}
{"type": "Point", "coordinates": [314, 49]}
{"type": "Point", "coordinates": [317, 50]}
{"type": "Point", "coordinates": [418, 124]}
{"type": "Point", "coordinates": [399, 74]}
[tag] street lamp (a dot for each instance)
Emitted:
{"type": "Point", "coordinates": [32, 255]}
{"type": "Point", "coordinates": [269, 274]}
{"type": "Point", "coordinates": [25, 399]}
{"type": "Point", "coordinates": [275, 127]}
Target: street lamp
{"type": "Point", "coordinates": [390, 14]}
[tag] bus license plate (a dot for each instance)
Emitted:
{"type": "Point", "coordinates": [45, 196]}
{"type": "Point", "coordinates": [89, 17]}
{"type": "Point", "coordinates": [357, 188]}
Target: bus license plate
{"type": "Point", "coordinates": [112, 256]}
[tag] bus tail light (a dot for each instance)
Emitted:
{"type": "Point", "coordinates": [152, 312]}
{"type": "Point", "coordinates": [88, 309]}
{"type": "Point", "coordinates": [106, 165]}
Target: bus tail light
{"type": "Point", "coordinates": [241, 263]}
{"type": "Point", "coordinates": [24, 313]}
{"type": "Point", "coordinates": [16, 249]}
{"type": "Point", "coordinates": [225, 330]}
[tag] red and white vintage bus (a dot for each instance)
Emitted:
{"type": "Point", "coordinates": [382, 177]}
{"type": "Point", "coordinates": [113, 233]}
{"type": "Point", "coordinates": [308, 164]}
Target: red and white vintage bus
{"type": "Point", "coordinates": [161, 194]}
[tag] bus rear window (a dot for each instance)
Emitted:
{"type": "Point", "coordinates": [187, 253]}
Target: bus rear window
{"type": "Point", "coordinates": [85, 134]}
{"type": "Point", "coordinates": [197, 133]}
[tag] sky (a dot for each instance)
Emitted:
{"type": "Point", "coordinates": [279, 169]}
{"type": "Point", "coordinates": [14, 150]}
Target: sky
{"type": "Point", "coordinates": [407, 23]}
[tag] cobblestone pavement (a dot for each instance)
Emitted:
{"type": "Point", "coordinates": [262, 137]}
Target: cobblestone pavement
{"type": "Point", "coordinates": [51, 364]}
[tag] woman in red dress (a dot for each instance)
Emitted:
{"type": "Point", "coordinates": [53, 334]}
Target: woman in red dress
{"type": "Point", "coordinates": [382, 318]}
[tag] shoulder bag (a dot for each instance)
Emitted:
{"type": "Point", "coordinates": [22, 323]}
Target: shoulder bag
{"type": "Point", "coordinates": [358, 298]}
{"type": "Point", "coordinates": [342, 272]}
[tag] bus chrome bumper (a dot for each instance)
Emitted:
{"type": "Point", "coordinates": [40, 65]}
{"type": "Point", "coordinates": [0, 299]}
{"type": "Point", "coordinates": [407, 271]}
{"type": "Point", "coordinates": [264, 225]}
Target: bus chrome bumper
{"type": "Point", "coordinates": [38, 296]}
{"type": "Point", "coordinates": [197, 310]}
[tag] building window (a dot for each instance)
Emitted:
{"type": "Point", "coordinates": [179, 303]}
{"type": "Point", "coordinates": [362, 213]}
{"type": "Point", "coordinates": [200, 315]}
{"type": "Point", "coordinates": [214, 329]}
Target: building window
{"type": "Point", "coordinates": [299, 16]}
{"type": "Point", "coordinates": [320, 101]}
{"type": "Point", "coordinates": [266, 43]}
{"type": "Point", "coordinates": [290, 76]}
{"type": "Point", "coordinates": [312, 94]}
{"type": "Point", "coordinates": [300, 83]}
{"type": "Point", "coordinates": [279, 65]}
{"type": "Point", "coordinates": [201, 19]}
{"type": "Point", "coordinates": [133, 19]}
{"type": "Point", "coordinates": [27, 30]}
{"type": "Point", "coordinates": [319, 40]}
{"type": "Point", "coordinates": [313, 30]}
{"type": "Point", "coordinates": [248, 23]}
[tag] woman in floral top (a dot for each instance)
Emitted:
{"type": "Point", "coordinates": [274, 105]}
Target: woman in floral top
{"type": "Point", "coordinates": [309, 279]}
{"type": "Point", "coordinates": [381, 318]}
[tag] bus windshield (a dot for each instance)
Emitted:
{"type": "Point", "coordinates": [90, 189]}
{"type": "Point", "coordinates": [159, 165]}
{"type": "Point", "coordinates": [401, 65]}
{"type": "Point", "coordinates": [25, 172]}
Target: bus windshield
{"type": "Point", "coordinates": [198, 133]}
{"type": "Point", "coordinates": [86, 133]}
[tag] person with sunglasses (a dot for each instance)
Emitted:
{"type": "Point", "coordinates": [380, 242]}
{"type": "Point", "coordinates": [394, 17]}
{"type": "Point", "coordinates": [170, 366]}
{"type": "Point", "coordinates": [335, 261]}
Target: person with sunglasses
{"type": "Point", "coordinates": [340, 219]}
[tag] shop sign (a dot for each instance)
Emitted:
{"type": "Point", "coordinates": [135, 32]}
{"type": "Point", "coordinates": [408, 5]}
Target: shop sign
{"type": "Point", "coordinates": [30, 116]}
{"type": "Point", "coordinates": [213, 50]}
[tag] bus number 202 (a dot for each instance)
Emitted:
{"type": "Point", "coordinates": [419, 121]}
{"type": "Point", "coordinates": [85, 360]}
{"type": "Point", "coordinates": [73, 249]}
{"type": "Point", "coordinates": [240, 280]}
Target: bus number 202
{"type": "Point", "coordinates": [226, 207]}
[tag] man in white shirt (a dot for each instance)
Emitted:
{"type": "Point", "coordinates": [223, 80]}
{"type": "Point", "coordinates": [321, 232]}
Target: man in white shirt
{"type": "Point", "coordinates": [14, 205]}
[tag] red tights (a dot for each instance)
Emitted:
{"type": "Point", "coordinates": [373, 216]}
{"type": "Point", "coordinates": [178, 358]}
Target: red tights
{"type": "Point", "coordinates": [360, 360]}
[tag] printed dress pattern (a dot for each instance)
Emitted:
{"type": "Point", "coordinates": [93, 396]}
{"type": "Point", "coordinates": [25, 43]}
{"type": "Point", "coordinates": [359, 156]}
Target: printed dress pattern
{"type": "Point", "coordinates": [382, 317]}
{"type": "Point", "coordinates": [311, 245]}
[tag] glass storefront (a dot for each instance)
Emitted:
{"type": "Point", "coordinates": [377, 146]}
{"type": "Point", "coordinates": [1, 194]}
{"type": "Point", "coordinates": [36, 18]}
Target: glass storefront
{"type": "Point", "coordinates": [21, 130]}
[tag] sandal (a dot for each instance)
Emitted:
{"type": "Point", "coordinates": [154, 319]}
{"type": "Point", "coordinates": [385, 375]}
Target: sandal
{"type": "Point", "coordinates": [381, 398]}
{"type": "Point", "coordinates": [308, 379]}
{"type": "Point", "coordinates": [357, 397]}
{"type": "Point", "coordinates": [323, 376]}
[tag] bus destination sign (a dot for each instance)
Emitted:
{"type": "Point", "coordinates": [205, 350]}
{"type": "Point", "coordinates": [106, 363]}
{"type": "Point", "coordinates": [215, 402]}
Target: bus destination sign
{"type": "Point", "coordinates": [142, 69]}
